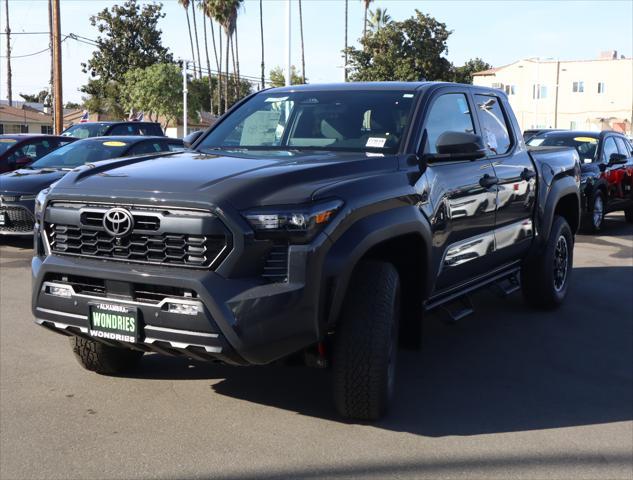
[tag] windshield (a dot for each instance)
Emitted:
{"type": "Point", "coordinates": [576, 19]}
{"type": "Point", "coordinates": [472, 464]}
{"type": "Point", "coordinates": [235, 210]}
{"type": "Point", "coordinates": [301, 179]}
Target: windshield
{"type": "Point", "coordinates": [584, 145]}
{"type": "Point", "coordinates": [340, 120]}
{"type": "Point", "coordinates": [78, 153]}
{"type": "Point", "coordinates": [85, 130]}
{"type": "Point", "coordinates": [6, 144]}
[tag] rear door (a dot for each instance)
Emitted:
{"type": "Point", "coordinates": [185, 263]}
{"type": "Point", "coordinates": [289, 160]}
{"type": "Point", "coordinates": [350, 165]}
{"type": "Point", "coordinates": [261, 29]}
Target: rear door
{"type": "Point", "coordinates": [516, 174]}
{"type": "Point", "coordinates": [463, 207]}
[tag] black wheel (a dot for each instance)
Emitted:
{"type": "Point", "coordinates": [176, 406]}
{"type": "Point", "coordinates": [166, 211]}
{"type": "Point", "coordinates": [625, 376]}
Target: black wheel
{"type": "Point", "coordinates": [100, 358]}
{"type": "Point", "coordinates": [628, 215]}
{"type": "Point", "coordinates": [592, 221]}
{"type": "Point", "coordinates": [545, 279]}
{"type": "Point", "coordinates": [366, 342]}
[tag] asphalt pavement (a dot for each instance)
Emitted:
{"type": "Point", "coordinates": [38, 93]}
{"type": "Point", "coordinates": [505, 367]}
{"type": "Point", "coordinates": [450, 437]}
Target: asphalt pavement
{"type": "Point", "coordinates": [508, 392]}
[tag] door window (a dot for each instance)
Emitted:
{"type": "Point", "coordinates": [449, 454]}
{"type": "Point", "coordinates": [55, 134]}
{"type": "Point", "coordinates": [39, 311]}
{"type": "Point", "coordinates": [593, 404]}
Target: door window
{"type": "Point", "coordinates": [124, 129]}
{"type": "Point", "coordinates": [608, 148]}
{"type": "Point", "coordinates": [494, 128]}
{"type": "Point", "coordinates": [449, 113]}
{"type": "Point", "coordinates": [622, 146]}
{"type": "Point", "coordinates": [147, 147]}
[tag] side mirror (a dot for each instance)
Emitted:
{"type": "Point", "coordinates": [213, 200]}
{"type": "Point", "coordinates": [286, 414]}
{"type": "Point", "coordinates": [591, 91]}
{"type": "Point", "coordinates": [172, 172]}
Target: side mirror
{"type": "Point", "coordinates": [452, 146]}
{"type": "Point", "coordinates": [23, 161]}
{"type": "Point", "coordinates": [191, 138]}
{"type": "Point", "coordinates": [617, 159]}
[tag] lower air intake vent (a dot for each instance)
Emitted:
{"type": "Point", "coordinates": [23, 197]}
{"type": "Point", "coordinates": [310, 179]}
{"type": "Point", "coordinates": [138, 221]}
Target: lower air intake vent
{"type": "Point", "coordinates": [276, 266]}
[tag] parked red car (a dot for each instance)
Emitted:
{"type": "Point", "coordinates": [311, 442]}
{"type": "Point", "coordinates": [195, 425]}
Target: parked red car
{"type": "Point", "coordinates": [17, 151]}
{"type": "Point", "coordinates": [607, 172]}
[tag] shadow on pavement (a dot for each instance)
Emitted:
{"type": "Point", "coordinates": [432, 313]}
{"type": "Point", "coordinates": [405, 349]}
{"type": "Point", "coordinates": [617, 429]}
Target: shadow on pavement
{"type": "Point", "coordinates": [506, 368]}
{"type": "Point", "coordinates": [24, 243]}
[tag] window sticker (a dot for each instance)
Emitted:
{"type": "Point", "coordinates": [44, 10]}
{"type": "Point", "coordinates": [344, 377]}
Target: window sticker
{"type": "Point", "coordinates": [7, 140]}
{"type": "Point", "coordinates": [275, 99]}
{"type": "Point", "coordinates": [586, 139]}
{"type": "Point", "coordinates": [114, 144]}
{"type": "Point", "coordinates": [375, 142]}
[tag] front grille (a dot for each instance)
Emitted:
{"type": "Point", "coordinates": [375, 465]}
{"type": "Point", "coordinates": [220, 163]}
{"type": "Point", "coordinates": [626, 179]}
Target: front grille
{"type": "Point", "coordinates": [160, 236]}
{"type": "Point", "coordinates": [276, 265]}
{"type": "Point", "coordinates": [16, 220]}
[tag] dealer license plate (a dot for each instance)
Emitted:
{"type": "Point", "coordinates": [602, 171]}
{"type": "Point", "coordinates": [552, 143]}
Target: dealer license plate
{"type": "Point", "coordinates": [114, 322]}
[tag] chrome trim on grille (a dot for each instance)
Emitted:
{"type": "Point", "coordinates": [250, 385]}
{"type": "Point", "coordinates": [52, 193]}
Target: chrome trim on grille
{"type": "Point", "coordinates": [183, 332]}
{"type": "Point", "coordinates": [65, 314]}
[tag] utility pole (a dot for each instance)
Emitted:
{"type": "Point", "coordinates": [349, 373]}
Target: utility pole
{"type": "Point", "coordinates": [184, 98]}
{"type": "Point", "coordinates": [288, 50]}
{"type": "Point", "coordinates": [50, 45]}
{"type": "Point", "coordinates": [57, 70]}
{"type": "Point", "coordinates": [8, 31]}
{"type": "Point", "coordinates": [556, 96]}
{"type": "Point", "coordinates": [345, 51]}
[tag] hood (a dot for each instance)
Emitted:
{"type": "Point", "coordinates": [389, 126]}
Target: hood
{"type": "Point", "coordinates": [29, 181]}
{"type": "Point", "coordinates": [244, 179]}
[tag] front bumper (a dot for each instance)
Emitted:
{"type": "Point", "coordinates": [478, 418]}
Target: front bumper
{"type": "Point", "coordinates": [240, 321]}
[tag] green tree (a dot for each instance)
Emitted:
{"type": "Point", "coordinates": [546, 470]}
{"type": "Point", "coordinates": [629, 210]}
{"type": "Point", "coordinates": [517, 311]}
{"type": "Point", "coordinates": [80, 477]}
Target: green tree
{"type": "Point", "coordinates": [185, 4]}
{"type": "Point", "coordinates": [366, 4]}
{"type": "Point", "coordinates": [464, 74]}
{"type": "Point", "coordinates": [278, 77]}
{"type": "Point", "coordinates": [407, 51]}
{"type": "Point", "coordinates": [378, 19]}
{"type": "Point", "coordinates": [155, 90]}
{"type": "Point", "coordinates": [199, 97]}
{"type": "Point", "coordinates": [73, 105]}
{"type": "Point", "coordinates": [129, 38]}
{"type": "Point", "coordinates": [42, 97]}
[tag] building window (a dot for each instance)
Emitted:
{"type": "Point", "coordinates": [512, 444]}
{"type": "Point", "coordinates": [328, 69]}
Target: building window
{"type": "Point", "coordinates": [600, 87]}
{"type": "Point", "coordinates": [539, 91]}
{"type": "Point", "coordinates": [572, 125]}
{"type": "Point", "coordinates": [47, 130]}
{"type": "Point", "coordinates": [11, 128]}
{"type": "Point", "coordinates": [510, 89]}
{"type": "Point", "coordinates": [1, 129]}
{"type": "Point", "coordinates": [578, 87]}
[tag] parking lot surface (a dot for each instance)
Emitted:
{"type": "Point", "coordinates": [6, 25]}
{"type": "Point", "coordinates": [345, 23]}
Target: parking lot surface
{"type": "Point", "coordinates": [508, 392]}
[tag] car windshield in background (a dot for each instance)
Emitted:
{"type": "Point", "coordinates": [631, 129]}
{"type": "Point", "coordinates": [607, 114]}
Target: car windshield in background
{"type": "Point", "coordinates": [339, 120]}
{"type": "Point", "coordinates": [79, 153]}
{"type": "Point", "coordinates": [6, 144]}
{"type": "Point", "coordinates": [85, 130]}
{"type": "Point", "coordinates": [584, 145]}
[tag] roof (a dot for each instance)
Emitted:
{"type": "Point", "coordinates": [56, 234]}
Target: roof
{"type": "Point", "coordinates": [492, 71]}
{"type": "Point", "coordinates": [122, 138]}
{"type": "Point", "coordinates": [321, 87]}
{"type": "Point", "coordinates": [19, 115]}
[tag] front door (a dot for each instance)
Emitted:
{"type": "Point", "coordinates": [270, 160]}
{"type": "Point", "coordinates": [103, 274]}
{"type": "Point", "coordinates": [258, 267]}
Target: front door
{"type": "Point", "coordinates": [462, 196]}
{"type": "Point", "coordinates": [516, 174]}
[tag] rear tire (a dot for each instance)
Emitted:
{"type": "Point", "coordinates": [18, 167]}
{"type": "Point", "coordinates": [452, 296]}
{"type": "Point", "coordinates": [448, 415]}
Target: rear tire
{"type": "Point", "coordinates": [593, 220]}
{"type": "Point", "coordinates": [366, 342]}
{"type": "Point", "coordinates": [100, 358]}
{"type": "Point", "coordinates": [545, 278]}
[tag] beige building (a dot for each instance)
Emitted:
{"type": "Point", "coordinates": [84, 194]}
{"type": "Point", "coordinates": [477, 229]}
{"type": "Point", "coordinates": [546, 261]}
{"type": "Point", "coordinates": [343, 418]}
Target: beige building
{"type": "Point", "coordinates": [24, 120]}
{"type": "Point", "coordinates": [579, 95]}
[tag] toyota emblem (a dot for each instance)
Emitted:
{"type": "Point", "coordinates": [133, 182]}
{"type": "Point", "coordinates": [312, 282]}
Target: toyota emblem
{"type": "Point", "coordinates": [118, 222]}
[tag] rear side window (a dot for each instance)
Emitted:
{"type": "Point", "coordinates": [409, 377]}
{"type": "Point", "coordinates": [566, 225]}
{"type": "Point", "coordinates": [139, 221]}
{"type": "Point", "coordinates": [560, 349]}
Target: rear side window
{"type": "Point", "coordinates": [494, 128]}
{"type": "Point", "coordinates": [449, 113]}
{"type": "Point", "coordinates": [123, 129]}
{"type": "Point", "coordinates": [150, 129]}
{"type": "Point", "coordinates": [147, 147]}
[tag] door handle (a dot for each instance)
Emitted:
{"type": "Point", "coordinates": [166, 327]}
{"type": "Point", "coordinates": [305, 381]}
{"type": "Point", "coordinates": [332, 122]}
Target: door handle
{"type": "Point", "coordinates": [488, 181]}
{"type": "Point", "coordinates": [527, 174]}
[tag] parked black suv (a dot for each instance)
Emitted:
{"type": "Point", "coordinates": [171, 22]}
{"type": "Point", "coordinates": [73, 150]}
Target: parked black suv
{"type": "Point", "coordinates": [316, 219]}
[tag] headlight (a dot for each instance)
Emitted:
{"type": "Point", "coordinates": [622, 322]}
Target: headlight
{"type": "Point", "coordinates": [298, 224]}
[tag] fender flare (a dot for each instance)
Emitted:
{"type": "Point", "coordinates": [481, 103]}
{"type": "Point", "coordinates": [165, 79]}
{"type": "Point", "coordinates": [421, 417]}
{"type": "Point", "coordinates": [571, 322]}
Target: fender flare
{"type": "Point", "coordinates": [561, 187]}
{"type": "Point", "coordinates": [366, 233]}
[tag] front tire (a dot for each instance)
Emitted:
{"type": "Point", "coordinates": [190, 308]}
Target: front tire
{"type": "Point", "coordinates": [366, 342]}
{"type": "Point", "coordinates": [545, 279]}
{"type": "Point", "coordinates": [593, 220]}
{"type": "Point", "coordinates": [104, 359]}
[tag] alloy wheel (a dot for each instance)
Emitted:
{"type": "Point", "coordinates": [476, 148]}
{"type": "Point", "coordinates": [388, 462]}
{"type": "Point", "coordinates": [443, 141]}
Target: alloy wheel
{"type": "Point", "coordinates": [561, 263]}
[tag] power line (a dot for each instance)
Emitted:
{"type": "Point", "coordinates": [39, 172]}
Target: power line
{"type": "Point", "coordinates": [47, 49]}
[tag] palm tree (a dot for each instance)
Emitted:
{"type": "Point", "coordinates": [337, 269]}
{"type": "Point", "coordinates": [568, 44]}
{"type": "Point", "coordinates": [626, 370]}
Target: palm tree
{"type": "Point", "coordinates": [303, 58]}
{"type": "Point", "coordinates": [378, 19]}
{"type": "Point", "coordinates": [208, 12]}
{"type": "Point", "coordinates": [366, 2]}
{"type": "Point", "coordinates": [261, 28]}
{"type": "Point", "coordinates": [203, 8]}
{"type": "Point", "coordinates": [195, 31]}
{"type": "Point", "coordinates": [345, 51]}
{"type": "Point", "coordinates": [185, 5]}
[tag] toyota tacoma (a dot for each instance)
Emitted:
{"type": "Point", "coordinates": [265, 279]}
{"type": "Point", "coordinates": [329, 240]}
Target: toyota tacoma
{"type": "Point", "coordinates": [318, 222]}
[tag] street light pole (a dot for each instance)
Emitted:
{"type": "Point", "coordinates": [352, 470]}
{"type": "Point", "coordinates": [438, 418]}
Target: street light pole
{"type": "Point", "coordinates": [184, 98]}
{"type": "Point", "coordinates": [57, 70]}
{"type": "Point", "coordinates": [288, 50]}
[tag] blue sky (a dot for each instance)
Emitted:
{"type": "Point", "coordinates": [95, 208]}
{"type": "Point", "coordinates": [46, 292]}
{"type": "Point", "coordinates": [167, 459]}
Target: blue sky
{"type": "Point", "coordinates": [500, 32]}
